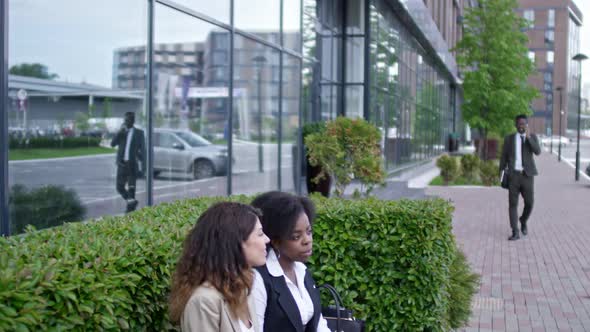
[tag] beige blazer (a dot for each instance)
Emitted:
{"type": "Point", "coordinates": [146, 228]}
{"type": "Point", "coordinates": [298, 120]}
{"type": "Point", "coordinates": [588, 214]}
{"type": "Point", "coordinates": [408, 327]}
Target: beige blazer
{"type": "Point", "coordinates": [207, 311]}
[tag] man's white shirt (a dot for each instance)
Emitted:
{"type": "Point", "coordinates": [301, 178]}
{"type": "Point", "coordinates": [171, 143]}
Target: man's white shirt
{"type": "Point", "coordinates": [128, 144]}
{"type": "Point", "coordinates": [518, 139]}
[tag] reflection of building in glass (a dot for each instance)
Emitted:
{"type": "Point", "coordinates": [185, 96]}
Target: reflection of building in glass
{"type": "Point", "coordinates": [190, 79]}
{"type": "Point", "coordinates": [178, 65]}
{"type": "Point", "coordinates": [554, 38]}
{"type": "Point", "coordinates": [387, 61]}
{"type": "Point", "coordinates": [51, 106]}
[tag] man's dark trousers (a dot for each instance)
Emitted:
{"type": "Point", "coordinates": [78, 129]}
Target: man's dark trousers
{"type": "Point", "coordinates": [126, 175]}
{"type": "Point", "coordinates": [520, 184]}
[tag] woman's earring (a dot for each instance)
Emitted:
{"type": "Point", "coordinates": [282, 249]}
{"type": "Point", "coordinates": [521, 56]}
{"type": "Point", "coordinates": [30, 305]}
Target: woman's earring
{"type": "Point", "coordinates": [278, 253]}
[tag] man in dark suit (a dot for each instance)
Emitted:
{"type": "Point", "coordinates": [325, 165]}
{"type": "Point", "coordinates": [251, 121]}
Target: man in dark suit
{"type": "Point", "coordinates": [517, 157]}
{"type": "Point", "coordinates": [130, 155]}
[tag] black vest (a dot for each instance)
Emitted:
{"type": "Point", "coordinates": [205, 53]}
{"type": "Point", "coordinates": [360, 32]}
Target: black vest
{"type": "Point", "coordinates": [282, 313]}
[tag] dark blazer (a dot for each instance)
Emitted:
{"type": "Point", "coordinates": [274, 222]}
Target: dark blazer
{"type": "Point", "coordinates": [137, 150]}
{"type": "Point", "coordinates": [531, 146]}
{"type": "Point", "coordinates": [282, 313]}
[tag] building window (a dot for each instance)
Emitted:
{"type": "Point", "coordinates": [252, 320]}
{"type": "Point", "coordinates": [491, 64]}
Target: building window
{"type": "Point", "coordinates": [550, 57]}
{"type": "Point", "coordinates": [549, 38]}
{"type": "Point", "coordinates": [551, 18]}
{"type": "Point", "coordinates": [548, 77]}
{"type": "Point", "coordinates": [530, 16]}
{"type": "Point", "coordinates": [532, 56]}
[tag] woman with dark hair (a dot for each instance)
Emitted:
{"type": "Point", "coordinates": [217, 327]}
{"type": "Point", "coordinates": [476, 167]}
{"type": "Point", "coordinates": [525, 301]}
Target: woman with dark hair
{"type": "Point", "coordinates": [214, 276]}
{"type": "Point", "coordinates": [286, 296]}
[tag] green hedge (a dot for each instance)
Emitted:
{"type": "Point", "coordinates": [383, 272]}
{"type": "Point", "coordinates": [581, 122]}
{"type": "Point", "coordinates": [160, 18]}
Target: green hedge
{"type": "Point", "coordinates": [389, 259]}
{"type": "Point", "coordinates": [43, 207]}
{"type": "Point", "coordinates": [53, 142]}
{"type": "Point", "coordinates": [391, 262]}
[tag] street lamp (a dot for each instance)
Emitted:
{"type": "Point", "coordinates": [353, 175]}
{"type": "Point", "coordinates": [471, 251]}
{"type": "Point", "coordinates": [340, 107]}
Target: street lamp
{"type": "Point", "coordinates": [560, 116]}
{"type": "Point", "coordinates": [579, 57]}
{"type": "Point", "coordinates": [259, 61]}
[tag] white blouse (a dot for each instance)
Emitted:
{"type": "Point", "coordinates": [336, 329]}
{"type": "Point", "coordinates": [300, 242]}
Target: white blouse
{"type": "Point", "coordinates": [243, 327]}
{"type": "Point", "coordinates": [298, 291]}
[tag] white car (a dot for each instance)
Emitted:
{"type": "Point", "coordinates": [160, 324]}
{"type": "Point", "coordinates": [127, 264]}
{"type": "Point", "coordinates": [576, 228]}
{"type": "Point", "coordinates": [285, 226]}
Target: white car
{"type": "Point", "coordinates": [183, 151]}
{"type": "Point", "coordinates": [557, 140]}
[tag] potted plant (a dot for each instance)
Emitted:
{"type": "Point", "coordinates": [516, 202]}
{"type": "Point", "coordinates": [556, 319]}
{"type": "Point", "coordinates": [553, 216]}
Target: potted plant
{"type": "Point", "coordinates": [347, 149]}
{"type": "Point", "coordinates": [321, 185]}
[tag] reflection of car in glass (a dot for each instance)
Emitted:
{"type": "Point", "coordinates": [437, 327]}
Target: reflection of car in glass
{"type": "Point", "coordinates": [186, 152]}
{"type": "Point", "coordinates": [562, 140]}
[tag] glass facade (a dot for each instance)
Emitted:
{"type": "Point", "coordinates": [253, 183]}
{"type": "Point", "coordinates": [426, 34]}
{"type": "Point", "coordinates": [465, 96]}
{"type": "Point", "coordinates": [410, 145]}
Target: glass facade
{"type": "Point", "coordinates": [411, 96]}
{"type": "Point", "coordinates": [229, 94]}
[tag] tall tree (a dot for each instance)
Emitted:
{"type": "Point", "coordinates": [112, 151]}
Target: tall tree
{"type": "Point", "coordinates": [493, 54]}
{"type": "Point", "coordinates": [33, 70]}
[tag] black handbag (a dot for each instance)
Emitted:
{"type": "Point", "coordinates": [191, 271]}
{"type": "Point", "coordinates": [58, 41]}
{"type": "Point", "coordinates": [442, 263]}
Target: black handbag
{"type": "Point", "coordinates": [338, 317]}
{"type": "Point", "coordinates": [505, 179]}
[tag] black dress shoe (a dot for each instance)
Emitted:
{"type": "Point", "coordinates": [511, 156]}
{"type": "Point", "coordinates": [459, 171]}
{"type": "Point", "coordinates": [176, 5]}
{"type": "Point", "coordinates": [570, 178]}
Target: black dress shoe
{"type": "Point", "coordinates": [523, 229]}
{"type": "Point", "coordinates": [131, 205]}
{"type": "Point", "coordinates": [514, 237]}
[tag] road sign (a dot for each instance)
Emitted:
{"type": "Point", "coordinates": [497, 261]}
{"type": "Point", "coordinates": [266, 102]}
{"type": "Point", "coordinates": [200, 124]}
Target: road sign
{"type": "Point", "coordinates": [21, 94]}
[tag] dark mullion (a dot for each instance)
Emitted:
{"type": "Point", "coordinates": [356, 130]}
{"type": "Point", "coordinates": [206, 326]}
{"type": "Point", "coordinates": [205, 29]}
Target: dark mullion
{"type": "Point", "coordinates": [4, 221]}
{"type": "Point", "coordinates": [367, 64]}
{"type": "Point", "coordinates": [196, 14]}
{"type": "Point", "coordinates": [299, 155]}
{"type": "Point", "coordinates": [230, 119]}
{"type": "Point", "coordinates": [280, 122]}
{"type": "Point", "coordinates": [342, 85]}
{"type": "Point", "coordinates": [150, 113]}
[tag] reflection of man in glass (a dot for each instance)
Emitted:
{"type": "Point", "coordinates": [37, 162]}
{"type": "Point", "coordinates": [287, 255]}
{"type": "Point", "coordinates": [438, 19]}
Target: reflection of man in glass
{"type": "Point", "coordinates": [131, 152]}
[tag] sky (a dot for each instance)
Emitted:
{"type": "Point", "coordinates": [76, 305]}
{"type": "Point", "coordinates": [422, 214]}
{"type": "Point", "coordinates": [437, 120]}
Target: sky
{"type": "Point", "coordinates": [76, 38]}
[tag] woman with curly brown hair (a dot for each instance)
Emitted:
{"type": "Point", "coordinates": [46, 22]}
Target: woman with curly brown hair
{"type": "Point", "coordinates": [214, 275]}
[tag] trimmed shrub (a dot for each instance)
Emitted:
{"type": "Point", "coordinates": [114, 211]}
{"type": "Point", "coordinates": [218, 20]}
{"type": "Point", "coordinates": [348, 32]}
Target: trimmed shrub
{"type": "Point", "coordinates": [448, 168]}
{"type": "Point", "coordinates": [347, 149]}
{"type": "Point", "coordinates": [464, 284]}
{"type": "Point", "coordinates": [43, 207]}
{"type": "Point", "coordinates": [470, 167]}
{"type": "Point", "coordinates": [390, 260]}
{"type": "Point", "coordinates": [53, 142]}
{"type": "Point", "coordinates": [489, 173]}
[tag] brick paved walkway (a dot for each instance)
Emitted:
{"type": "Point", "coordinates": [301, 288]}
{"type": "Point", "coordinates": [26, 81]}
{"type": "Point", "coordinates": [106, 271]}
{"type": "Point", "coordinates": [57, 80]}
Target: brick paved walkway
{"type": "Point", "coordinates": [541, 282]}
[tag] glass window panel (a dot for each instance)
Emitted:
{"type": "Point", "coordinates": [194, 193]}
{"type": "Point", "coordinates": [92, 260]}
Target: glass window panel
{"type": "Point", "coordinates": [549, 38]}
{"type": "Point", "coordinates": [310, 91]}
{"type": "Point", "coordinates": [355, 59]}
{"type": "Point", "coordinates": [248, 14]}
{"type": "Point", "coordinates": [355, 20]}
{"type": "Point", "coordinates": [530, 16]}
{"type": "Point", "coordinates": [336, 60]}
{"type": "Point", "coordinates": [329, 102]}
{"type": "Point", "coordinates": [551, 18]}
{"type": "Point", "coordinates": [531, 55]}
{"type": "Point", "coordinates": [354, 101]}
{"type": "Point", "coordinates": [290, 122]}
{"type": "Point", "coordinates": [310, 37]}
{"type": "Point", "coordinates": [218, 10]}
{"type": "Point", "coordinates": [327, 57]}
{"type": "Point", "coordinates": [292, 24]}
{"type": "Point", "coordinates": [310, 7]}
{"type": "Point", "coordinates": [78, 88]}
{"type": "Point", "coordinates": [550, 57]}
{"type": "Point", "coordinates": [256, 118]}
{"type": "Point", "coordinates": [190, 107]}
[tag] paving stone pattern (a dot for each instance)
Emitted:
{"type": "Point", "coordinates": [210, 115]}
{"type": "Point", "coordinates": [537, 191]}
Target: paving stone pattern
{"type": "Point", "coordinates": [542, 281]}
